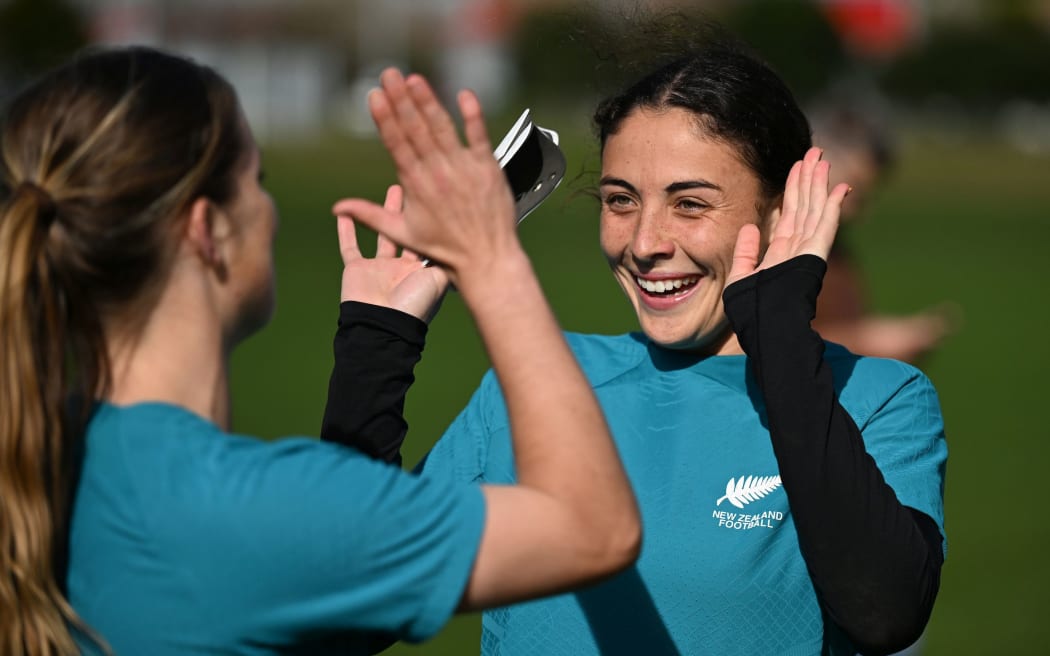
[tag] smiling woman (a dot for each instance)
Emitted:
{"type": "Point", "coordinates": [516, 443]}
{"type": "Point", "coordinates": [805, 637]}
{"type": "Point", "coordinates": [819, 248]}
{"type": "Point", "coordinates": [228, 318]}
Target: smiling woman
{"type": "Point", "coordinates": [784, 482]}
{"type": "Point", "coordinates": [673, 201]}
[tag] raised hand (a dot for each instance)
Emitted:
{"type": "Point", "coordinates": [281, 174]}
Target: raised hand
{"type": "Point", "coordinates": [572, 502]}
{"type": "Point", "coordinates": [396, 281]}
{"type": "Point", "coordinates": [807, 221]}
{"type": "Point", "coordinates": [458, 209]}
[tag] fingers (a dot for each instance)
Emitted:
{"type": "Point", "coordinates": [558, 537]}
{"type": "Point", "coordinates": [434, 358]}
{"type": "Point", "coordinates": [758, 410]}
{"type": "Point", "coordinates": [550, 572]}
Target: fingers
{"type": "Point", "coordinates": [375, 217]}
{"type": "Point", "coordinates": [410, 120]}
{"type": "Point", "coordinates": [828, 223]}
{"type": "Point", "coordinates": [474, 122]}
{"type": "Point", "coordinates": [785, 225]}
{"type": "Point", "coordinates": [818, 197]}
{"type": "Point", "coordinates": [389, 126]}
{"type": "Point", "coordinates": [807, 206]}
{"type": "Point", "coordinates": [409, 254]}
{"type": "Point", "coordinates": [439, 123]}
{"type": "Point", "coordinates": [385, 247]}
{"type": "Point", "coordinates": [444, 183]}
{"type": "Point", "coordinates": [394, 198]}
{"type": "Point", "coordinates": [805, 181]}
{"type": "Point", "coordinates": [347, 232]}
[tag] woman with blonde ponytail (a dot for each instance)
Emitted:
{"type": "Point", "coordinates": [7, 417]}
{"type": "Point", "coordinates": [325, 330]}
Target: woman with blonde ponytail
{"type": "Point", "coordinates": [135, 254]}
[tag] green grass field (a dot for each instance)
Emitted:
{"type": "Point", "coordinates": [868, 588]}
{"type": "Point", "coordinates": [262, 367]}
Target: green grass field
{"type": "Point", "coordinates": [964, 220]}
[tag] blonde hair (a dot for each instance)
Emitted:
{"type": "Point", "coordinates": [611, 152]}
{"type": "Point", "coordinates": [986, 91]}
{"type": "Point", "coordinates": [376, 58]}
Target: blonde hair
{"type": "Point", "coordinates": [98, 159]}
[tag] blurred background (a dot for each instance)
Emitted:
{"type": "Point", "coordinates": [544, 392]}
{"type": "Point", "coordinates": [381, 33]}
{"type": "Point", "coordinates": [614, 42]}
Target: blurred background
{"type": "Point", "coordinates": [960, 220]}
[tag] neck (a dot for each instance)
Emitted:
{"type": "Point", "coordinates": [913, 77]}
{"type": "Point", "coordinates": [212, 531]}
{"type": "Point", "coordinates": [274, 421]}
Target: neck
{"type": "Point", "coordinates": [731, 346]}
{"type": "Point", "coordinates": [179, 357]}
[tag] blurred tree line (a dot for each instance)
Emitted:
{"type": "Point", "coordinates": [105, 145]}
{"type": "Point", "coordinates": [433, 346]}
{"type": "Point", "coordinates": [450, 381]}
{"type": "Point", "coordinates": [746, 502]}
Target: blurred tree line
{"type": "Point", "coordinates": [581, 50]}
{"type": "Point", "coordinates": [1004, 57]}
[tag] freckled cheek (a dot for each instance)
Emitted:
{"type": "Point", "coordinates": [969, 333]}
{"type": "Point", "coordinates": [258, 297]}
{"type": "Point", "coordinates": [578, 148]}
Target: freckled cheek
{"type": "Point", "coordinates": [723, 244]}
{"type": "Point", "coordinates": [613, 239]}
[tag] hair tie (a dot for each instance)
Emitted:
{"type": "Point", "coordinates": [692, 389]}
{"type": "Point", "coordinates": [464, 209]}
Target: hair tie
{"type": "Point", "coordinates": [46, 206]}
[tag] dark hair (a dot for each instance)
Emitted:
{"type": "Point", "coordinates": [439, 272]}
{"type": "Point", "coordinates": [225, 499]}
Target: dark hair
{"type": "Point", "coordinates": [735, 98]}
{"type": "Point", "coordinates": [98, 161]}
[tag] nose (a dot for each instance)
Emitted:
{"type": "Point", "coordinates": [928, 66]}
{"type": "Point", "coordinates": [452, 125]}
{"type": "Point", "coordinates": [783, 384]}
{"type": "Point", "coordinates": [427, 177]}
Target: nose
{"type": "Point", "coordinates": [651, 240]}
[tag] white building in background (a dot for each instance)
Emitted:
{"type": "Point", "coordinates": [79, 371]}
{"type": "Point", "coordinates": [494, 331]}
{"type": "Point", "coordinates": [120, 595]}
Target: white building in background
{"type": "Point", "coordinates": [285, 75]}
{"type": "Point", "coordinates": [288, 58]}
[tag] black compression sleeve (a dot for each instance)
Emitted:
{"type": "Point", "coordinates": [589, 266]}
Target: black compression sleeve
{"type": "Point", "coordinates": [376, 349]}
{"type": "Point", "coordinates": [874, 563]}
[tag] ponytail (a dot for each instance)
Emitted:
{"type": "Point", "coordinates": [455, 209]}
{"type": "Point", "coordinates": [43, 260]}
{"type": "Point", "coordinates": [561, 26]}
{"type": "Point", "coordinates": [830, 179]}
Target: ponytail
{"type": "Point", "coordinates": [35, 460]}
{"type": "Point", "coordinates": [98, 160]}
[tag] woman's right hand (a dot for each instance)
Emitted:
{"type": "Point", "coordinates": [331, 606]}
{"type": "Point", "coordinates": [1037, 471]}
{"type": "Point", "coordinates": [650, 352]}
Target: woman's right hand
{"type": "Point", "coordinates": [571, 519]}
{"type": "Point", "coordinates": [458, 209]}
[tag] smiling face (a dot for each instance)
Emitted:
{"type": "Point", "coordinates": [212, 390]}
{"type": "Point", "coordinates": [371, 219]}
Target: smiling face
{"type": "Point", "coordinates": [673, 201]}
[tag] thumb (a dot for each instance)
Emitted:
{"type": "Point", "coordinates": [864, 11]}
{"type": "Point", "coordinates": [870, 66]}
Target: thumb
{"type": "Point", "coordinates": [745, 253]}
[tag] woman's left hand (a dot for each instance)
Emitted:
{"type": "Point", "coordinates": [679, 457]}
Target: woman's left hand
{"type": "Point", "coordinates": [400, 282]}
{"type": "Point", "coordinates": [806, 223]}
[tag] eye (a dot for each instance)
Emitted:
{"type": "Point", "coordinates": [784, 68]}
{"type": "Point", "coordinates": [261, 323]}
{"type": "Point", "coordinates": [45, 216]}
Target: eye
{"type": "Point", "coordinates": [262, 176]}
{"type": "Point", "coordinates": [618, 202]}
{"type": "Point", "coordinates": [691, 205]}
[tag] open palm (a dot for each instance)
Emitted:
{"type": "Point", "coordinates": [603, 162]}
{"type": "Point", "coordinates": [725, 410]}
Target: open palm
{"type": "Point", "coordinates": [398, 281]}
{"type": "Point", "coordinates": [806, 224]}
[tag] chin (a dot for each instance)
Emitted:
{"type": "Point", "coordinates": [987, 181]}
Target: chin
{"type": "Point", "coordinates": [709, 342]}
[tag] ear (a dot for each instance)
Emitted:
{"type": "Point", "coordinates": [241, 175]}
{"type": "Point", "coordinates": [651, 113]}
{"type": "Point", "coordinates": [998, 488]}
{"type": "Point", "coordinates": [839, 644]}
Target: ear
{"type": "Point", "coordinates": [201, 231]}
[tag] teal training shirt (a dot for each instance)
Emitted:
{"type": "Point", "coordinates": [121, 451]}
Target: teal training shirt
{"type": "Point", "coordinates": [186, 539]}
{"type": "Point", "coordinates": [720, 570]}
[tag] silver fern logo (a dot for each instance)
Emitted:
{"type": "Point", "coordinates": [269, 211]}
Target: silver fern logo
{"type": "Point", "coordinates": [744, 490]}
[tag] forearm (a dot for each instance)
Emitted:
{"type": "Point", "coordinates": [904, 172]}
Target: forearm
{"type": "Point", "coordinates": [874, 562]}
{"type": "Point", "coordinates": [561, 441]}
{"type": "Point", "coordinates": [375, 351]}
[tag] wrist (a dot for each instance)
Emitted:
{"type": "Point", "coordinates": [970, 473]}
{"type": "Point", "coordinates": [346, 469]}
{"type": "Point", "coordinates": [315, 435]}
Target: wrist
{"type": "Point", "coordinates": [494, 278]}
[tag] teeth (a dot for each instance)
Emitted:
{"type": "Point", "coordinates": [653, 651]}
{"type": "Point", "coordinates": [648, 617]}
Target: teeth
{"type": "Point", "coordinates": [661, 286]}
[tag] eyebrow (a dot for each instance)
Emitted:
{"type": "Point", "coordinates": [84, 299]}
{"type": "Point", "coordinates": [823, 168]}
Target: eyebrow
{"type": "Point", "coordinates": [609, 180]}
{"type": "Point", "coordinates": [671, 188]}
{"type": "Point", "coordinates": [691, 184]}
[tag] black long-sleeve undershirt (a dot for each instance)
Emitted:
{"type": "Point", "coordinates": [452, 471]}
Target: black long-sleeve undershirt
{"type": "Point", "coordinates": [876, 572]}
{"type": "Point", "coordinates": [376, 349]}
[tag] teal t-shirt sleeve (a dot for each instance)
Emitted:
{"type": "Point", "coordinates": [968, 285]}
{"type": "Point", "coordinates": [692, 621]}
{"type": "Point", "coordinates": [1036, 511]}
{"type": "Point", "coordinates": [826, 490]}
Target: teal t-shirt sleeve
{"type": "Point", "coordinates": [906, 438]}
{"type": "Point", "coordinates": [298, 536]}
{"type": "Point", "coordinates": [462, 451]}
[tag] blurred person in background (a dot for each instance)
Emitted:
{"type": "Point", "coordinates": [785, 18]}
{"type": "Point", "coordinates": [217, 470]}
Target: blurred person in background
{"type": "Point", "coordinates": [860, 150]}
{"type": "Point", "coordinates": [791, 492]}
{"type": "Point", "coordinates": [135, 254]}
